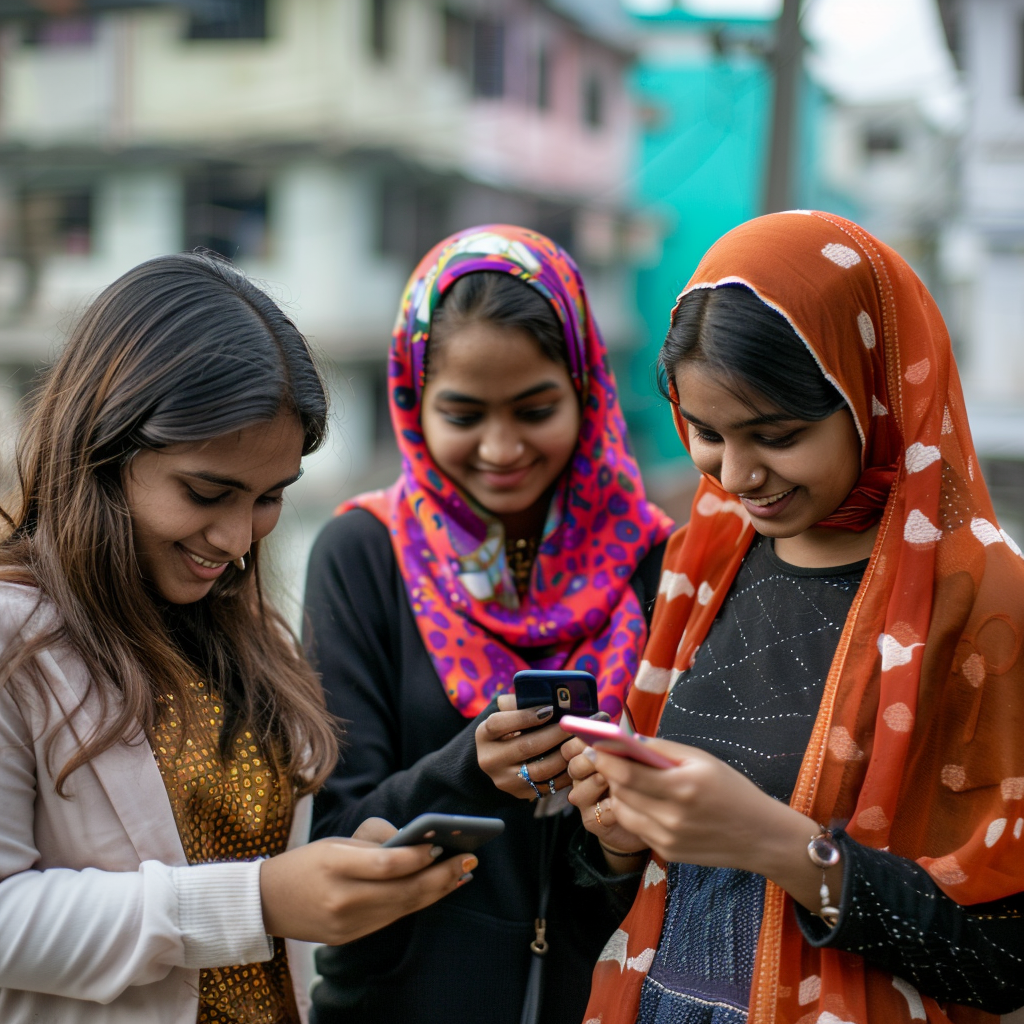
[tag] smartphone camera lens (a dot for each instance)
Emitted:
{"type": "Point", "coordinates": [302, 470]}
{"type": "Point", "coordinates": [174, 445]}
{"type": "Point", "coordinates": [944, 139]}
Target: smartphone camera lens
{"type": "Point", "coordinates": [564, 697]}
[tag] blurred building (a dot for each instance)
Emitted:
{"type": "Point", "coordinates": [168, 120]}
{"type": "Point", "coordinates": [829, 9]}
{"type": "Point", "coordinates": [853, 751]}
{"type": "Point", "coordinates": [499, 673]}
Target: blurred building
{"type": "Point", "coordinates": [983, 250]}
{"type": "Point", "coordinates": [324, 145]}
{"type": "Point", "coordinates": [703, 86]}
{"type": "Point", "coordinates": [897, 171]}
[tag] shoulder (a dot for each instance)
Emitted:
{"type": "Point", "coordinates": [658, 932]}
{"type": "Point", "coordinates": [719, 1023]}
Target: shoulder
{"type": "Point", "coordinates": [353, 531]}
{"type": "Point", "coordinates": [352, 549]}
{"type": "Point", "coordinates": [23, 610]}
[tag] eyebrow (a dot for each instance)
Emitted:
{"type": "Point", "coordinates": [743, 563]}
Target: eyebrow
{"type": "Point", "coordinates": [458, 396]}
{"type": "Point", "coordinates": [226, 481]}
{"type": "Point", "coordinates": [757, 421]}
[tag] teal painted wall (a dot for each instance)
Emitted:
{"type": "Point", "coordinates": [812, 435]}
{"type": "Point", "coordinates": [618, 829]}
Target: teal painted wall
{"type": "Point", "coordinates": [700, 160]}
{"type": "Point", "coordinates": [700, 172]}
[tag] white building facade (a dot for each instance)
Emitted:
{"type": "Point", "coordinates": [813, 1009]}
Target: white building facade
{"type": "Point", "coordinates": [324, 145]}
{"type": "Point", "coordinates": [984, 251]}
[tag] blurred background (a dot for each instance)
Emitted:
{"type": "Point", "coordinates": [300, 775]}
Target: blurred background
{"type": "Point", "coordinates": [324, 145]}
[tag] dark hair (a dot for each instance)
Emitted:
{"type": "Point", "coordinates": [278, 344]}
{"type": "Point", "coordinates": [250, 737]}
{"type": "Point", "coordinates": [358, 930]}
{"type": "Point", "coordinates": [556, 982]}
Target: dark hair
{"type": "Point", "coordinates": [493, 297]}
{"type": "Point", "coordinates": [733, 333]}
{"type": "Point", "coordinates": [180, 349]}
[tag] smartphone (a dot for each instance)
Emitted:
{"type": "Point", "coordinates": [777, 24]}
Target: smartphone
{"type": "Point", "coordinates": [610, 739]}
{"type": "Point", "coordinates": [568, 692]}
{"type": "Point", "coordinates": [456, 833]}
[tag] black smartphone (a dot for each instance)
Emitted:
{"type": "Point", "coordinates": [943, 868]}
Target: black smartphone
{"type": "Point", "coordinates": [568, 692]}
{"type": "Point", "coordinates": [457, 833]}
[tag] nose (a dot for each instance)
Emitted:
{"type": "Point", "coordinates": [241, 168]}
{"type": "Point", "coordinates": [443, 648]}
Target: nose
{"type": "Point", "coordinates": [500, 445]}
{"type": "Point", "coordinates": [231, 532]}
{"type": "Point", "coordinates": [740, 472]}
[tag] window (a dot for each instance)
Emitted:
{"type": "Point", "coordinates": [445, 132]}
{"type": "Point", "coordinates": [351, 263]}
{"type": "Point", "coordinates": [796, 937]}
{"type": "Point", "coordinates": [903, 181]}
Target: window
{"type": "Point", "coordinates": [882, 139]}
{"type": "Point", "coordinates": [593, 102]}
{"type": "Point", "coordinates": [488, 58]}
{"type": "Point", "coordinates": [56, 222]}
{"type": "Point", "coordinates": [1020, 58]}
{"type": "Point", "coordinates": [228, 19]}
{"type": "Point", "coordinates": [544, 78]}
{"type": "Point", "coordinates": [458, 42]}
{"type": "Point", "coordinates": [226, 211]}
{"type": "Point", "coordinates": [475, 47]}
{"type": "Point", "coordinates": [380, 28]}
{"type": "Point", "coordinates": [412, 216]}
{"type": "Point", "coordinates": [54, 33]}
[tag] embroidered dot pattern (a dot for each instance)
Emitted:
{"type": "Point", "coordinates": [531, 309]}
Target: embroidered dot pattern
{"type": "Point", "coordinates": [235, 810]}
{"type": "Point", "coordinates": [753, 691]}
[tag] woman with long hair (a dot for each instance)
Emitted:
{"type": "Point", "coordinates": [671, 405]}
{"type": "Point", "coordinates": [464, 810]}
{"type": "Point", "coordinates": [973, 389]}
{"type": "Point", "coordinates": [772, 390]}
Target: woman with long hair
{"type": "Point", "coordinates": [516, 536]}
{"type": "Point", "coordinates": [835, 666]}
{"type": "Point", "coordinates": [160, 731]}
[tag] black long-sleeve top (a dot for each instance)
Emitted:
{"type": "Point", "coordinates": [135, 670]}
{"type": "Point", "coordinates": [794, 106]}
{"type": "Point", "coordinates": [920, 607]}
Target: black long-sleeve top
{"type": "Point", "coordinates": [409, 751]}
{"type": "Point", "coordinates": [751, 698]}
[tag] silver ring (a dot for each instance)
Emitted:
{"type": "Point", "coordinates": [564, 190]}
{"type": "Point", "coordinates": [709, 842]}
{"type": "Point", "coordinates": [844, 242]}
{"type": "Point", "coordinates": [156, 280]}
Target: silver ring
{"type": "Point", "coordinates": [551, 787]}
{"type": "Point", "coordinates": [524, 774]}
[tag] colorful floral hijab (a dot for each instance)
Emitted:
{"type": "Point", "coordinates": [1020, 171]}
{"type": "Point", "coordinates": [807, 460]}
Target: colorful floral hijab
{"type": "Point", "coordinates": [917, 744]}
{"type": "Point", "coordinates": [581, 611]}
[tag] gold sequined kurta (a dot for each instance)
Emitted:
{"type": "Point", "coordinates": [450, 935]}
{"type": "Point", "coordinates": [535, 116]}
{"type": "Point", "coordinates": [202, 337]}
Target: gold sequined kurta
{"type": "Point", "coordinates": [228, 811]}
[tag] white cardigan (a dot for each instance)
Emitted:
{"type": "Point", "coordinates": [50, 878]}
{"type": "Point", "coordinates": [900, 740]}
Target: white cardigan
{"type": "Point", "coordinates": [102, 920]}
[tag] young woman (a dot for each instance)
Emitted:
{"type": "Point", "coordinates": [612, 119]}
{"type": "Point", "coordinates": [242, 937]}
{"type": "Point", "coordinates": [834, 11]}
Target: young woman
{"type": "Point", "coordinates": [835, 664]}
{"type": "Point", "coordinates": [517, 535]}
{"type": "Point", "coordinates": [159, 729]}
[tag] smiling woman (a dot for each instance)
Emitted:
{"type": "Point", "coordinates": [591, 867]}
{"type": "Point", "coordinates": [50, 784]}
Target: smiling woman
{"type": "Point", "coordinates": [517, 536]}
{"type": "Point", "coordinates": [160, 731]}
{"type": "Point", "coordinates": [835, 666]}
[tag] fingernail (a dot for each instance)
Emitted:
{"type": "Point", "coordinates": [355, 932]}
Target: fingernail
{"type": "Point", "coordinates": [543, 713]}
{"type": "Point", "coordinates": [463, 879]}
{"type": "Point", "coordinates": [601, 716]}
{"type": "Point", "coordinates": [591, 755]}
{"type": "Point", "coordinates": [468, 863]}
{"type": "Point", "coordinates": [436, 851]}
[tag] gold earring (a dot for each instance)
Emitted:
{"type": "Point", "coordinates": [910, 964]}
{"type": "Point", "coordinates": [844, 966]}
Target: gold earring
{"type": "Point", "coordinates": [239, 563]}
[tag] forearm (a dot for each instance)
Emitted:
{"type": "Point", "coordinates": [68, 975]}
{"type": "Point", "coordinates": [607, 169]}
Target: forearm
{"type": "Point", "coordinates": [92, 934]}
{"type": "Point", "coordinates": [896, 917]}
{"type": "Point", "coordinates": [778, 851]}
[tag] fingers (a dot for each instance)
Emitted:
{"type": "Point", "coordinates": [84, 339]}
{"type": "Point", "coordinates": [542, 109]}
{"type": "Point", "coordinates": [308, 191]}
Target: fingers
{"type": "Point", "coordinates": [545, 768]}
{"type": "Point", "coordinates": [431, 885]}
{"type": "Point", "coordinates": [507, 702]}
{"type": "Point", "coordinates": [622, 771]}
{"type": "Point", "coordinates": [374, 830]}
{"type": "Point", "coordinates": [573, 747]}
{"type": "Point", "coordinates": [503, 723]}
{"type": "Point", "coordinates": [580, 766]}
{"type": "Point", "coordinates": [374, 863]}
{"type": "Point", "coordinates": [586, 793]}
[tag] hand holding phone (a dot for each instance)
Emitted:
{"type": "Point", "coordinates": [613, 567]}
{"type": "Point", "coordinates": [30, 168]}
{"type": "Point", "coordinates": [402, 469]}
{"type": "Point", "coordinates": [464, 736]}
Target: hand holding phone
{"type": "Point", "coordinates": [610, 739]}
{"type": "Point", "coordinates": [455, 833]}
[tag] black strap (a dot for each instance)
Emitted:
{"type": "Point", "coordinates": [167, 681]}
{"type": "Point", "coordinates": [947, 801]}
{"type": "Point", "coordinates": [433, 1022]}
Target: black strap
{"type": "Point", "coordinates": [539, 945]}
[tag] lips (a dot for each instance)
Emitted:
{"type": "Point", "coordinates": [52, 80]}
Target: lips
{"type": "Point", "coordinates": [505, 480]}
{"type": "Point", "coordinates": [770, 505]}
{"type": "Point", "coordinates": [204, 568]}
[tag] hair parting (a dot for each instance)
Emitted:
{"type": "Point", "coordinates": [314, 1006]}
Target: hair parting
{"type": "Point", "coordinates": [492, 297]}
{"type": "Point", "coordinates": [750, 346]}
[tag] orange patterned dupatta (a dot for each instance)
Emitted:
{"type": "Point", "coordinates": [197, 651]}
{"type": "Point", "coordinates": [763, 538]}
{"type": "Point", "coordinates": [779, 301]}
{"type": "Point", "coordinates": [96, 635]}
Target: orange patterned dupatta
{"type": "Point", "coordinates": [917, 745]}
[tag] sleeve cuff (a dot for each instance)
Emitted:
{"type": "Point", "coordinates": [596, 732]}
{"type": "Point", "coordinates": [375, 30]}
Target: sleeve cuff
{"type": "Point", "coordinates": [816, 932]}
{"type": "Point", "coordinates": [220, 913]}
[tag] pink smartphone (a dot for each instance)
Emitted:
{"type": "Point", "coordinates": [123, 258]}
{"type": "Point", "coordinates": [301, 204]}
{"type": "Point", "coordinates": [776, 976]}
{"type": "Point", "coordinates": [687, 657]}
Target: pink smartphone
{"type": "Point", "coordinates": [610, 739]}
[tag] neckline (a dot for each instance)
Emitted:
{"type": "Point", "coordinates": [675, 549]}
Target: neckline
{"type": "Point", "coordinates": [767, 545]}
